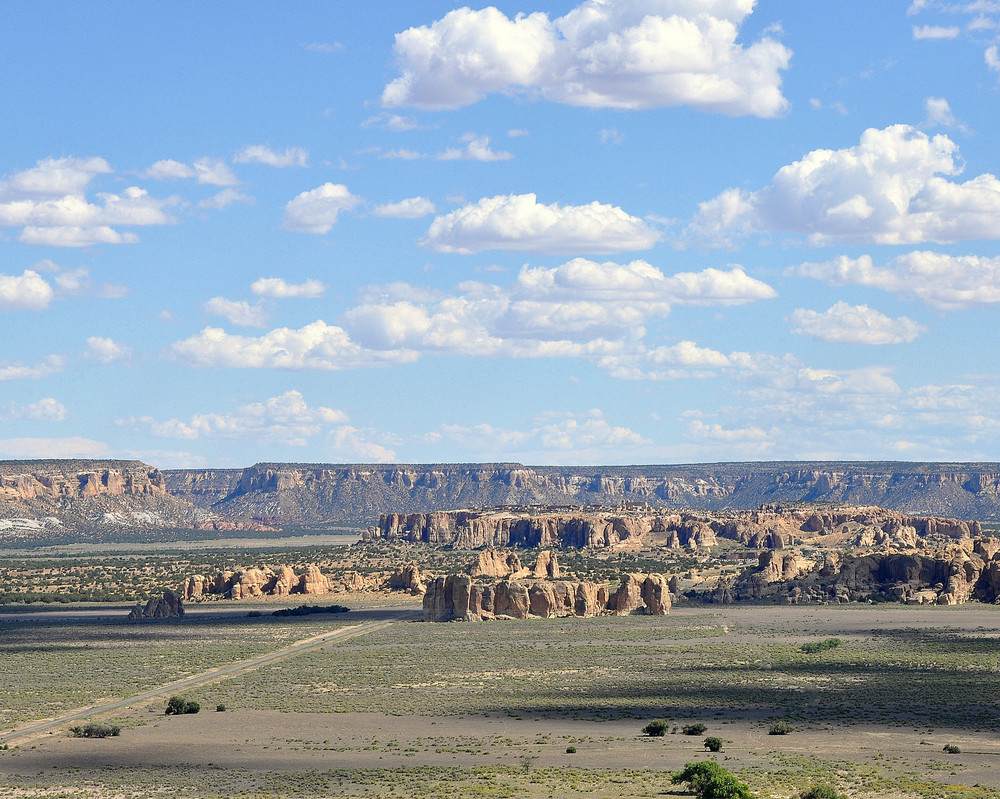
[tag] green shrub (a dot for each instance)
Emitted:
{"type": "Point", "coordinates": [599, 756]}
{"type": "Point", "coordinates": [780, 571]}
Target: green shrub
{"type": "Point", "coordinates": [821, 792]}
{"type": "Point", "coordinates": [820, 646]}
{"type": "Point", "coordinates": [709, 780]}
{"type": "Point", "coordinates": [780, 728]}
{"type": "Point", "coordinates": [220, 708]}
{"type": "Point", "coordinates": [656, 729]}
{"type": "Point", "coordinates": [695, 728]}
{"type": "Point", "coordinates": [951, 749]}
{"type": "Point", "coordinates": [95, 730]}
{"type": "Point", "coordinates": [570, 750]}
{"type": "Point", "coordinates": [177, 706]}
{"type": "Point", "coordinates": [713, 743]}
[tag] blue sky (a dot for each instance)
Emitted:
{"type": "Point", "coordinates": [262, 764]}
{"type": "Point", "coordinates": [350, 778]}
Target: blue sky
{"type": "Point", "coordinates": [616, 231]}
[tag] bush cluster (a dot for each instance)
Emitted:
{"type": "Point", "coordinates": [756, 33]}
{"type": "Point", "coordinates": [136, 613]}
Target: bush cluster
{"type": "Point", "coordinates": [951, 749]}
{"type": "Point", "coordinates": [713, 743]}
{"type": "Point", "coordinates": [656, 729]}
{"type": "Point", "coordinates": [695, 728]}
{"type": "Point", "coordinates": [780, 728]}
{"type": "Point", "coordinates": [821, 792]}
{"type": "Point", "coordinates": [95, 729]}
{"type": "Point", "coordinates": [177, 706]}
{"type": "Point", "coordinates": [820, 646]}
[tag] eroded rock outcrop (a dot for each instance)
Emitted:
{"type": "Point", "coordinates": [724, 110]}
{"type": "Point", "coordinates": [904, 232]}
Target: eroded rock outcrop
{"type": "Point", "coordinates": [950, 576]}
{"type": "Point", "coordinates": [168, 606]}
{"type": "Point", "coordinates": [457, 597]}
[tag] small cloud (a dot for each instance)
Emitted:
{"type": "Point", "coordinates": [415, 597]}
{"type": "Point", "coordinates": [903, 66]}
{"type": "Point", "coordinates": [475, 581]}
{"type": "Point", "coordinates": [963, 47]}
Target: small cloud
{"type": "Point", "coordinates": [402, 154]}
{"type": "Point", "coordinates": [225, 198]}
{"type": "Point", "coordinates": [854, 324]}
{"type": "Point", "coordinates": [322, 47]}
{"type": "Point", "coordinates": [25, 292]}
{"type": "Point", "coordinates": [394, 122]}
{"type": "Point", "coordinates": [939, 114]}
{"type": "Point", "coordinates": [935, 32]}
{"type": "Point", "coordinates": [316, 211]}
{"type": "Point", "coordinates": [262, 154]}
{"type": "Point", "coordinates": [477, 148]}
{"type": "Point", "coordinates": [611, 136]}
{"type": "Point", "coordinates": [515, 133]}
{"type": "Point", "coordinates": [206, 171]}
{"type": "Point", "coordinates": [278, 289]}
{"type": "Point", "coordinates": [239, 312]}
{"type": "Point", "coordinates": [106, 350]}
{"type": "Point", "coordinates": [45, 410]}
{"type": "Point", "coordinates": [410, 208]}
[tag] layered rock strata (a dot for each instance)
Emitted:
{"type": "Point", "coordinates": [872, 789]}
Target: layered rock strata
{"type": "Point", "coordinates": [287, 493]}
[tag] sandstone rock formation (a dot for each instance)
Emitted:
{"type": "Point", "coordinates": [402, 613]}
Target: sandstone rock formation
{"type": "Point", "coordinates": [629, 528]}
{"type": "Point", "coordinates": [407, 578]}
{"type": "Point", "coordinates": [167, 606]}
{"type": "Point", "coordinates": [456, 597]}
{"type": "Point", "coordinates": [950, 576]}
{"type": "Point", "coordinates": [491, 563]}
{"type": "Point", "coordinates": [265, 581]}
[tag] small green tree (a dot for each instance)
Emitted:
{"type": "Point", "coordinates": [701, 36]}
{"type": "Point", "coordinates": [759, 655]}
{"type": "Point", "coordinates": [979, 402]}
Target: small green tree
{"type": "Point", "coordinates": [656, 729]}
{"type": "Point", "coordinates": [821, 792]}
{"type": "Point", "coordinates": [951, 749]}
{"type": "Point", "coordinates": [709, 780]}
{"type": "Point", "coordinates": [176, 705]}
{"type": "Point", "coordinates": [780, 728]}
{"type": "Point", "coordinates": [713, 743]}
{"type": "Point", "coordinates": [695, 728]}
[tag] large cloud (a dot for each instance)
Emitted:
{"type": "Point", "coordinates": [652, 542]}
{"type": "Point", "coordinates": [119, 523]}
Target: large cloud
{"type": "Point", "coordinates": [580, 309]}
{"type": "Point", "coordinates": [520, 222]}
{"type": "Point", "coordinates": [625, 54]}
{"type": "Point", "coordinates": [286, 419]}
{"type": "Point", "coordinates": [854, 324]}
{"type": "Point", "coordinates": [315, 346]}
{"type": "Point", "coordinates": [948, 282]}
{"type": "Point", "coordinates": [888, 189]}
{"type": "Point", "coordinates": [49, 203]}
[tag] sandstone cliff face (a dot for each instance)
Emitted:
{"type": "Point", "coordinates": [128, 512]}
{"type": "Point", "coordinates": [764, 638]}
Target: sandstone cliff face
{"type": "Point", "coordinates": [771, 529]}
{"type": "Point", "coordinates": [456, 597]}
{"type": "Point", "coordinates": [360, 493]}
{"type": "Point", "coordinates": [952, 576]}
{"type": "Point", "coordinates": [88, 500]}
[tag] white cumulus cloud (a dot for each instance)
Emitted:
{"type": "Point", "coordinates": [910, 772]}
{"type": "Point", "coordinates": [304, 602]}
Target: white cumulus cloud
{"type": "Point", "coordinates": [477, 148]}
{"type": "Point", "coordinates": [285, 419]}
{"type": "Point", "coordinates": [948, 282]}
{"type": "Point", "coordinates": [889, 189]}
{"type": "Point", "coordinates": [239, 312]}
{"type": "Point", "coordinates": [520, 222]}
{"type": "Point", "coordinates": [46, 409]}
{"type": "Point", "coordinates": [262, 154]}
{"type": "Point", "coordinates": [316, 211]}
{"type": "Point", "coordinates": [854, 324]}
{"type": "Point", "coordinates": [14, 370]}
{"type": "Point", "coordinates": [207, 171]}
{"type": "Point", "coordinates": [410, 208]}
{"type": "Point", "coordinates": [107, 350]}
{"type": "Point", "coordinates": [624, 54]}
{"type": "Point", "coordinates": [27, 291]}
{"type": "Point", "coordinates": [280, 289]}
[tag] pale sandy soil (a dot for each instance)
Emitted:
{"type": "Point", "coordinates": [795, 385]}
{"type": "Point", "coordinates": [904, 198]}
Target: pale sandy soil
{"type": "Point", "coordinates": [262, 742]}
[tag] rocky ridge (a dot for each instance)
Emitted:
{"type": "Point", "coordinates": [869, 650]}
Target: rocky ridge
{"type": "Point", "coordinates": [286, 493]}
{"type": "Point", "coordinates": [774, 528]}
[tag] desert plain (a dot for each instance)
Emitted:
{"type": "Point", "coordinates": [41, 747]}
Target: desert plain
{"type": "Point", "coordinates": [379, 703]}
